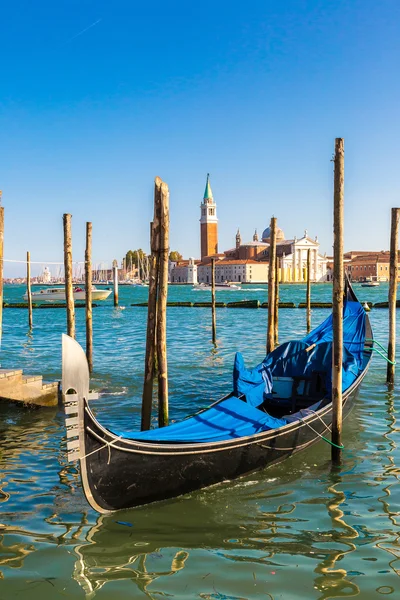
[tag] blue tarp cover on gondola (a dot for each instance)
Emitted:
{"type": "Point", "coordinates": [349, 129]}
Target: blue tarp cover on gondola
{"type": "Point", "coordinates": [303, 357]}
{"type": "Point", "coordinates": [231, 418]}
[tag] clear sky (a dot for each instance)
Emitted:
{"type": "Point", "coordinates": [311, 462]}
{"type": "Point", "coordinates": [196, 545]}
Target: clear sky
{"type": "Point", "coordinates": [97, 98]}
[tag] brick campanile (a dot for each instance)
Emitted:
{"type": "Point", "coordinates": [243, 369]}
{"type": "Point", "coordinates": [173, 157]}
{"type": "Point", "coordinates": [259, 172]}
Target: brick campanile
{"type": "Point", "coordinates": [208, 223]}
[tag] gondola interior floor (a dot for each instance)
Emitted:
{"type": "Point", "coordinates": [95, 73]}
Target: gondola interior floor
{"type": "Point", "coordinates": [227, 420]}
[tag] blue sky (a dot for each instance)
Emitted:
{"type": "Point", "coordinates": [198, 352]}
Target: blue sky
{"type": "Point", "coordinates": [97, 98]}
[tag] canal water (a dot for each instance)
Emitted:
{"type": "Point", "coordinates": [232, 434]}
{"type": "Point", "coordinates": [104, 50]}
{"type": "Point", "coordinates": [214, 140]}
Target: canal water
{"type": "Point", "coordinates": [297, 531]}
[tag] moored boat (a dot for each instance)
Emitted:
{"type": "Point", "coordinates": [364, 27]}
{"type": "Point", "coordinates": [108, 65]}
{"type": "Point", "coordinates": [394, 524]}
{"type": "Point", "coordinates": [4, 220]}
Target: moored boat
{"type": "Point", "coordinates": [370, 284]}
{"type": "Point", "coordinates": [275, 410]}
{"type": "Point", "coordinates": [218, 286]}
{"type": "Point", "coordinates": [56, 294]}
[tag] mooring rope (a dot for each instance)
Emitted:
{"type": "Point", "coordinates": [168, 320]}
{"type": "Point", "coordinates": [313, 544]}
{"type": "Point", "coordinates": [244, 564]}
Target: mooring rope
{"type": "Point", "coordinates": [341, 447]}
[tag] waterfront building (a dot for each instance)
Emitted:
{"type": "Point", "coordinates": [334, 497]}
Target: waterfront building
{"type": "Point", "coordinates": [292, 255]}
{"type": "Point", "coordinates": [241, 271]}
{"type": "Point", "coordinates": [184, 271]}
{"type": "Point", "coordinates": [367, 265]}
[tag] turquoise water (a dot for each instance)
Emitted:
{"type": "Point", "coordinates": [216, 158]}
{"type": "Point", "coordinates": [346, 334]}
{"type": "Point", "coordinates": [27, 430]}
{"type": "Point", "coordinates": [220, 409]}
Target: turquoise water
{"type": "Point", "coordinates": [300, 530]}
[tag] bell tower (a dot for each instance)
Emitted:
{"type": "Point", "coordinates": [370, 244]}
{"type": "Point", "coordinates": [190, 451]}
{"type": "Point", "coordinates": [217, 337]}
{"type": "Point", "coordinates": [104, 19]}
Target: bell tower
{"type": "Point", "coordinates": [208, 223]}
{"type": "Point", "coordinates": [238, 239]}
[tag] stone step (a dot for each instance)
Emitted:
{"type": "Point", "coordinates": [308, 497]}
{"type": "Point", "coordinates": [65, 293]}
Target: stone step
{"type": "Point", "coordinates": [52, 385]}
{"type": "Point", "coordinates": [29, 389]}
{"type": "Point", "coordinates": [32, 380]}
{"type": "Point", "coordinates": [10, 373]}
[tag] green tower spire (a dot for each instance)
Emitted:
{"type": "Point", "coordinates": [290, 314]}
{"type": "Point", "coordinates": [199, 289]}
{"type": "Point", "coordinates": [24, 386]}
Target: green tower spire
{"type": "Point", "coordinates": [207, 191]}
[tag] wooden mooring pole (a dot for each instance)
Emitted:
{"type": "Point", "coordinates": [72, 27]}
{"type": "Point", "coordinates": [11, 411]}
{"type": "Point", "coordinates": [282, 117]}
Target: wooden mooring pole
{"type": "Point", "coordinates": [337, 300]}
{"type": "Point", "coordinates": [393, 281]}
{"type": "Point", "coordinates": [308, 293]}
{"type": "Point", "coordinates": [1, 267]}
{"type": "Point", "coordinates": [28, 289]}
{"type": "Point", "coordinates": [271, 287]}
{"type": "Point", "coordinates": [213, 312]}
{"type": "Point", "coordinates": [147, 398]}
{"type": "Point", "coordinates": [276, 315]}
{"type": "Point", "coordinates": [115, 282]}
{"type": "Point", "coordinates": [88, 297]}
{"type": "Point", "coordinates": [69, 292]}
{"type": "Point", "coordinates": [161, 337]}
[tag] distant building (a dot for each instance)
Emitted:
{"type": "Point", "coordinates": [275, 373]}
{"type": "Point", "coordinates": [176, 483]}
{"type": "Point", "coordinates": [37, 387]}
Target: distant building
{"type": "Point", "coordinates": [292, 255]}
{"type": "Point", "coordinates": [362, 266]}
{"type": "Point", "coordinates": [248, 262]}
{"type": "Point", "coordinates": [45, 276]}
{"type": "Point", "coordinates": [185, 271]}
{"type": "Point", "coordinates": [242, 271]}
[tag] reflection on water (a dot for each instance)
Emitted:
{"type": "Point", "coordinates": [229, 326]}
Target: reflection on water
{"type": "Point", "coordinates": [298, 530]}
{"type": "Point", "coordinates": [334, 581]}
{"type": "Point", "coordinates": [391, 471]}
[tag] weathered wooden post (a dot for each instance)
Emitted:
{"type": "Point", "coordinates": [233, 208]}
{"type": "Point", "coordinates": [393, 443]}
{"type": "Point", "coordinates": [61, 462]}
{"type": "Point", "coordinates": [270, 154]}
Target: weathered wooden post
{"type": "Point", "coordinates": [276, 315]}
{"type": "Point", "coordinates": [1, 266]}
{"type": "Point", "coordinates": [161, 338]}
{"type": "Point", "coordinates": [308, 293]}
{"type": "Point", "coordinates": [88, 297]}
{"type": "Point", "coordinates": [337, 300]}
{"type": "Point", "coordinates": [69, 292]}
{"type": "Point", "coordinates": [115, 282]}
{"type": "Point", "coordinates": [213, 315]}
{"type": "Point", "coordinates": [271, 287]}
{"type": "Point", "coordinates": [393, 280]}
{"type": "Point", "coordinates": [28, 289]}
{"type": "Point", "coordinates": [147, 398]}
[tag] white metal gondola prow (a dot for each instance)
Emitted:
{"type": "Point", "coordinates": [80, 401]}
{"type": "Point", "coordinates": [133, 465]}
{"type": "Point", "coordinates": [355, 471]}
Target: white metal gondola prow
{"type": "Point", "coordinates": [75, 388]}
{"type": "Point", "coordinates": [75, 370]}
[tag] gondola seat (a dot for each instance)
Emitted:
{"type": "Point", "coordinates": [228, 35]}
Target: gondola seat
{"type": "Point", "coordinates": [306, 368]}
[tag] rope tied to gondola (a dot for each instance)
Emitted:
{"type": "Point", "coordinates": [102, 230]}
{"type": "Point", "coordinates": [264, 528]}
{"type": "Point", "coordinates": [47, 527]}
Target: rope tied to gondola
{"type": "Point", "coordinates": [383, 352]}
{"type": "Point", "coordinates": [328, 441]}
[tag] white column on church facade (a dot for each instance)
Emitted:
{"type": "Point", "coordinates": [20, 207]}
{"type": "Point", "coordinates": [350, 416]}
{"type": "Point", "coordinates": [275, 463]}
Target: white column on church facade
{"type": "Point", "coordinates": [294, 265]}
{"type": "Point", "coordinates": [300, 270]}
{"type": "Point", "coordinates": [316, 264]}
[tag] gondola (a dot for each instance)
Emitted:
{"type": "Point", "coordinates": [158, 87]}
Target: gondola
{"type": "Point", "coordinates": [276, 409]}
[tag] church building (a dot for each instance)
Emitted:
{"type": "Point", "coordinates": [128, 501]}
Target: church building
{"type": "Point", "coordinates": [292, 255]}
{"type": "Point", "coordinates": [248, 262]}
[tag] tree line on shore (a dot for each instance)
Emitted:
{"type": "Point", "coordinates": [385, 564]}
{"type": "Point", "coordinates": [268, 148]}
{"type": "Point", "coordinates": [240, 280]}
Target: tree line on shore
{"type": "Point", "coordinates": [136, 257]}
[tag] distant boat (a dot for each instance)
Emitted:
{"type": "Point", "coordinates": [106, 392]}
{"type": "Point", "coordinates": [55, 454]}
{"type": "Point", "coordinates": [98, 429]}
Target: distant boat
{"type": "Point", "coordinates": [370, 284]}
{"type": "Point", "coordinates": [218, 286]}
{"type": "Point", "coordinates": [57, 294]}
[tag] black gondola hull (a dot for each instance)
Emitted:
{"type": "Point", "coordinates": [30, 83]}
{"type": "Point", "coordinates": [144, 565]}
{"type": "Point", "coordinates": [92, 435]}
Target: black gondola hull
{"type": "Point", "coordinates": [127, 474]}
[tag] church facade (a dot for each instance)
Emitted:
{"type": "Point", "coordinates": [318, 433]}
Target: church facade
{"type": "Point", "coordinates": [248, 262]}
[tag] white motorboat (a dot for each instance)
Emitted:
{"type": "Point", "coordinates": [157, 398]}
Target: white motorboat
{"type": "Point", "coordinates": [56, 294]}
{"type": "Point", "coordinates": [218, 286]}
{"type": "Point", "coordinates": [370, 284]}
